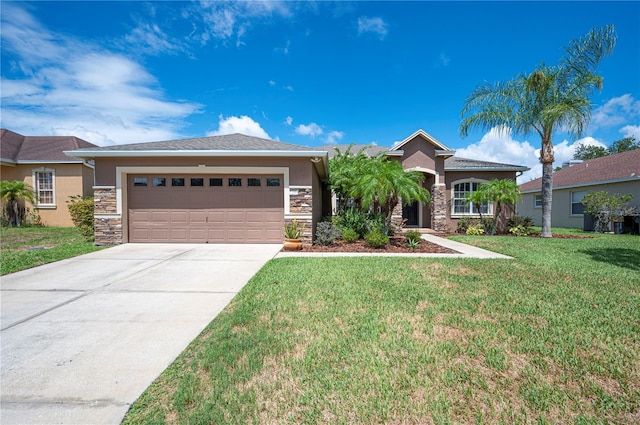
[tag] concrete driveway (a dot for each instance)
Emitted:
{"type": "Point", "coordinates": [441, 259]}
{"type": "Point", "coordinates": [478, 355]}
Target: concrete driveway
{"type": "Point", "coordinates": [82, 338]}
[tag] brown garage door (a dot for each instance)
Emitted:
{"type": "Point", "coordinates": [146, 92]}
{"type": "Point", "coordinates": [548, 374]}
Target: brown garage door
{"type": "Point", "coordinates": [206, 208]}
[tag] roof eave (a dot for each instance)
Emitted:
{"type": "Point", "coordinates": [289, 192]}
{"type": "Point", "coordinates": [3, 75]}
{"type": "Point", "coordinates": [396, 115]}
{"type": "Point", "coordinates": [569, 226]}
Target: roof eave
{"type": "Point", "coordinates": [394, 153]}
{"type": "Point", "coordinates": [445, 153]}
{"type": "Point", "coordinates": [48, 161]}
{"type": "Point", "coordinates": [424, 135]}
{"type": "Point", "coordinates": [487, 169]}
{"type": "Point", "coordinates": [598, 183]}
{"type": "Point", "coordinates": [193, 153]}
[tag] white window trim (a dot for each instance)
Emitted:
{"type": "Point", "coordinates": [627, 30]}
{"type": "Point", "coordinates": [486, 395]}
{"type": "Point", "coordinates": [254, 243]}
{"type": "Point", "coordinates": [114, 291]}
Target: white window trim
{"type": "Point", "coordinates": [535, 204]}
{"type": "Point", "coordinates": [34, 176]}
{"type": "Point", "coordinates": [470, 214]}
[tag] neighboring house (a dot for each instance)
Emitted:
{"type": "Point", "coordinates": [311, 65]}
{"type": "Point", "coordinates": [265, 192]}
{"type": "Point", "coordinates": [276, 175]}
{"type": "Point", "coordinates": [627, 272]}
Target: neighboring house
{"type": "Point", "coordinates": [618, 173]}
{"type": "Point", "coordinates": [40, 161]}
{"type": "Point", "coordinates": [242, 189]}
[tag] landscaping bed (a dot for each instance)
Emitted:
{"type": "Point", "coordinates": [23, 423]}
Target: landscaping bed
{"type": "Point", "coordinates": [397, 244]}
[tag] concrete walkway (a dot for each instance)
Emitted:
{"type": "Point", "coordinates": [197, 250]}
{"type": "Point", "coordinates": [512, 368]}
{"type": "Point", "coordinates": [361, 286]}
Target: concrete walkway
{"type": "Point", "coordinates": [464, 251]}
{"type": "Point", "coordinates": [81, 339]}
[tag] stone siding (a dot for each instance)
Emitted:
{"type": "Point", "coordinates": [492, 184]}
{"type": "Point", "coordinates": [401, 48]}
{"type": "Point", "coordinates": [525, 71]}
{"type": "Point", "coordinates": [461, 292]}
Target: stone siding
{"type": "Point", "coordinates": [307, 233]}
{"type": "Point", "coordinates": [108, 231]}
{"type": "Point", "coordinates": [301, 202]}
{"type": "Point", "coordinates": [439, 208]}
{"type": "Point", "coordinates": [104, 201]}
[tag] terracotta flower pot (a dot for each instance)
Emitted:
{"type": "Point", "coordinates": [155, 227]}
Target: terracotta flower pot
{"type": "Point", "coordinates": [292, 244]}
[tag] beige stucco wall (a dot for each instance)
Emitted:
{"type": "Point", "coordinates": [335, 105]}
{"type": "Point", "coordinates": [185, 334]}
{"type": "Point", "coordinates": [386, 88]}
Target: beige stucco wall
{"type": "Point", "coordinates": [70, 179]}
{"type": "Point", "coordinates": [300, 169]}
{"type": "Point", "coordinates": [561, 203]}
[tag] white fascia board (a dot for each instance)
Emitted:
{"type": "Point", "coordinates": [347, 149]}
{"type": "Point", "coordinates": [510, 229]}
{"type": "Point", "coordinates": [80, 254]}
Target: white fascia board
{"type": "Point", "coordinates": [424, 135]}
{"type": "Point", "coordinates": [193, 153]}
{"type": "Point", "coordinates": [394, 153]}
{"type": "Point", "coordinates": [487, 169]}
{"type": "Point", "coordinates": [40, 161]}
{"type": "Point", "coordinates": [441, 152]}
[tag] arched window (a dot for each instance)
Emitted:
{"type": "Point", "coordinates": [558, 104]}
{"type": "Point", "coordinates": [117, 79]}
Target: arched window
{"type": "Point", "coordinates": [460, 191]}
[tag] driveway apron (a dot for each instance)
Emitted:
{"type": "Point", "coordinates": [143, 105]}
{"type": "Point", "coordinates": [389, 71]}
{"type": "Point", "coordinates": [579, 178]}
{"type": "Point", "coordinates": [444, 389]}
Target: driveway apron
{"type": "Point", "coordinates": [81, 339]}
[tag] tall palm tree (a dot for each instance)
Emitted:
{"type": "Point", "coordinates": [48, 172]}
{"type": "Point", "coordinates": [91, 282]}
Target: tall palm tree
{"type": "Point", "coordinates": [12, 192]}
{"type": "Point", "coordinates": [550, 98]}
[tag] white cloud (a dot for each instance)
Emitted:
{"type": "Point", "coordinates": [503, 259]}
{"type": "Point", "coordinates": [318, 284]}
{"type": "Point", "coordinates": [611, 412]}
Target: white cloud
{"type": "Point", "coordinates": [272, 83]}
{"type": "Point", "coordinates": [443, 59]}
{"type": "Point", "coordinates": [376, 26]}
{"type": "Point", "coordinates": [150, 39]}
{"type": "Point", "coordinates": [288, 120]}
{"type": "Point", "coordinates": [312, 130]}
{"type": "Point", "coordinates": [242, 124]}
{"type": "Point", "coordinates": [225, 20]}
{"type": "Point", "coordinates": [289, 88]}
{"type": "Point", "coordinates": [63, 84]}
{"type": "Point", "coordinates": [500, 146]}
{"type": "Point", "coordinates": [334, 136]}
{"type": "Point", "coordinates": [616, 111]}
{"type": "Point", "coordinates": [631, 131]}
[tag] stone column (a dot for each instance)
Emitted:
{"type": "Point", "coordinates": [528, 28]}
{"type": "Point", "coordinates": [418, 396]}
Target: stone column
{"type": "Point", "coordinates": [301, 209]}
{"type": "Point", "coordinates": [438, 207]}
{"type": "Point", "coordinates": [106, 220]}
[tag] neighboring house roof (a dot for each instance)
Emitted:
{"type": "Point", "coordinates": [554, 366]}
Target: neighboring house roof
{"type": "Point", "coordinates": [464, 164]}
{"type": "Point", "coordinates": [370, 150]}
{"type": "Point", "coordinates": [18, 149]}
{"type": "Point", "coordinates": [620, 167]}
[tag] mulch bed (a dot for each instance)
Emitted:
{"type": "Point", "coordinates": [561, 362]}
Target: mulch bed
{"type": "Point", "coordinates": [397, 244]}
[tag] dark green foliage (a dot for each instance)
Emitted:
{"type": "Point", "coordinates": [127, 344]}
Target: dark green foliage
{"type": "Point", "coordinates": [327, 233]}
{"type": "Point", "coordinates": [350, 235]}
{"type": "Point", "coordinates": [376, 239]}
{"type": "Point", "coordinates": [413, 235]}
{"type": "Point", "coordinates": [81, 210]}
{"type": "Point", "coordinates": [586, 152]}
{"type": "Point", "coordinates": [522, 224]}
{"type": "Point", "coordinates": [606, 208]}
{"type": "Point", "coordinates": [351, 218]}
{"type": "Point", "coordinates": [12, 194]}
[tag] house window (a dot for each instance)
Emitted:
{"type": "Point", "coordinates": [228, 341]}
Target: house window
{"type": "Point", "coordinates": [537, 201]}
{"type": "Point", "coordinates": [234, 181]}
{"type": "Point", "coordinates": [45, 189]}
{"type": "Point", "coordinates": [576, 203]}
{"type": "Point", "coordinates": [159, 182]}
{"type": "Point", "coordinates": [215, 181]}
{"type": "Point", "coordinates": [139, 181]}
{"type": "Point", "coordinates": [197, 182]}
{"type": "Point", "coordinates": [252, 181]}
{"type": "Point", "coordinates": [273, 181]}
{"type": "Point", "coordinates": [460, 207]}
{"type": "Point", "coordinates": [177, 181]}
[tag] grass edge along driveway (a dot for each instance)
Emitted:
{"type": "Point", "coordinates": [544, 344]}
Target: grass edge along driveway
{"type": "Point", "coordinates": [549, 337]}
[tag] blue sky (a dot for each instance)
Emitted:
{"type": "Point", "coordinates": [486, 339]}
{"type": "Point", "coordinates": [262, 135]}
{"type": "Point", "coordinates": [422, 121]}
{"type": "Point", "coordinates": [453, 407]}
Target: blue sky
{"type": "Point", "coordinates": [308, 73]}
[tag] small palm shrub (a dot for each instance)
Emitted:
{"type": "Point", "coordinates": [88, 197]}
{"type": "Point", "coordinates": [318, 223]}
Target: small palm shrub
{"type": "Point", "coordinates": [413, 244]}
{"type": "Point", "coordinates": [326, 233]}
{"type": "Point", "coordinates": [413, 235]}
{"type": "Point", "coordinates": [353, 219]}
{"type": "Point", "coordinates": [376, 238]}
{"type": "Point", "coordinates": [350, 235]}
{"type": "Point", "coordinates": [476, 229]}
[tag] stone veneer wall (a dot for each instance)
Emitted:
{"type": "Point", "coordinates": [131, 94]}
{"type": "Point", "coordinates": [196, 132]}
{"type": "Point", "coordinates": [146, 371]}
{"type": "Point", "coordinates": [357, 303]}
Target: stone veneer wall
{"type": "Point", "coordinates": [301, 204]}
{"type": "Point", "coordinates": [108, 230]}
{"type": "Point", "coordinates": [439, 208]}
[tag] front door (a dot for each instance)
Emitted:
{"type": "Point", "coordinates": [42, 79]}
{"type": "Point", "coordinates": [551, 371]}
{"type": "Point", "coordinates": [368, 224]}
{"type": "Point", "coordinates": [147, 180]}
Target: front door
{"type": "Point", "coordinates": [410, 214]}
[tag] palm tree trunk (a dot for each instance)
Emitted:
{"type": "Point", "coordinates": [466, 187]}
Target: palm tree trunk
{"type": "Point", "coordinates": [496, 217]}
{"type": "Point", "coordinates": [547, 188]}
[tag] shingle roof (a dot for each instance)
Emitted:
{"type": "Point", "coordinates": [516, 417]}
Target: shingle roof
{"type": "Point", "coordinates": [370, 150]}
{"type": "Point", "coordinates": [228, 142]}
{"type": "Point", "coordinates": [454, 163]}
{"type": "Point", "coordinates": [622, 166]}
{"type": "Point", "coordinates": [15, 147]}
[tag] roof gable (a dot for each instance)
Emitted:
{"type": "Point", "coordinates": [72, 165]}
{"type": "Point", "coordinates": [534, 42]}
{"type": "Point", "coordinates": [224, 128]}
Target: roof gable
{"type": "Point", "coordinates": [18, 148]}
{"type": "Point", "coordinates": [618, 167]}
{"type": "Point", "coordinates": [424, 135]}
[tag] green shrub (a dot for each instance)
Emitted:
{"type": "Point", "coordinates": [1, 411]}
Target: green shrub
{"type": "Point", "coordinates": [376, 239]}
{"type": "Point", "coordinates": [81, 210]}
{"type": "Point", "coordinates": [413, 235]}
{"type": "Point", "coordinates": [326, 233]}
{"type": "Point", "coordinates": [352, 219]}
{"type": "Point", "coordinates": [519, 230]}
{"type": "Point", "coordinates": [350, 235]}
{"type": "Point", "coordinates": [463, 225]}
{"type": "Point", "coordinates": [413, 243]}
{"type": "Point", "coordinates": [476, 229]}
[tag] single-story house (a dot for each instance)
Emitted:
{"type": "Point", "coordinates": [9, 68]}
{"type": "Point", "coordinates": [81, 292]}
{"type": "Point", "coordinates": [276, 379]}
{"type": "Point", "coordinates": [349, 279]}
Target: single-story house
{"type": "Point", "coordinates": [40, 161]}
{"type": "Point", "coordinates": [242, 189]}
{"type": "Point", "coordinates": [619, 173]}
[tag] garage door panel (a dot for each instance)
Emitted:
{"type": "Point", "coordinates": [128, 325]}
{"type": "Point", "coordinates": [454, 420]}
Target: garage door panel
{"type": "Point", "coordinates": [237, 214]}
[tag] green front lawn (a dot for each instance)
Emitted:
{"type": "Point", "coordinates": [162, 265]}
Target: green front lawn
{"type": "Point", "coordinates": [25, 247]}
{"type": "Point", "coordinates": [550, 337]}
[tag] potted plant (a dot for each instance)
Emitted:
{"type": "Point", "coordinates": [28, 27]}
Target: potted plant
{"type": "Point", "coordinates": [292, 232]}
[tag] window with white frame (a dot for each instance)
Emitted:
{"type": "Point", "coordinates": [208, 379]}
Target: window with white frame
{"type": "Point", "coordinates": [44, 187]}
{"type": "Point", "coordinates": [459, 204]}
{"type": "Point", "coordinates": [537, 201]}
{"type": "Point", "coordinates": [576, 203]}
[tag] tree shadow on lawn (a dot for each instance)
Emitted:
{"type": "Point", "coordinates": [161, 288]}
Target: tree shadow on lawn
{"type": "Point", "coordinates": [625, 258]}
